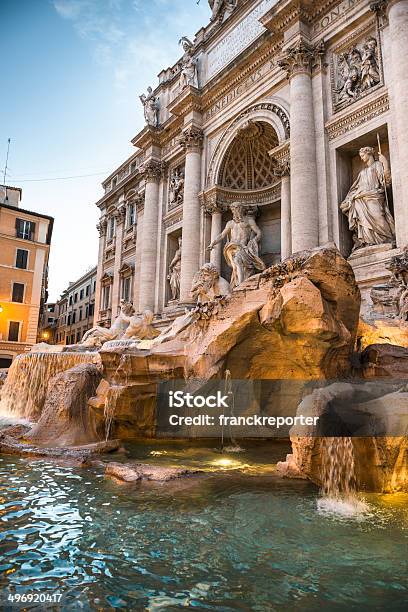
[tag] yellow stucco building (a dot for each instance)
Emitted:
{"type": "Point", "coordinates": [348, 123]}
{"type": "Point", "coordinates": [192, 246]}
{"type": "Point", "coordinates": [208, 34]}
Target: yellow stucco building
{"type": "Point", "coordinates": [25, 238]}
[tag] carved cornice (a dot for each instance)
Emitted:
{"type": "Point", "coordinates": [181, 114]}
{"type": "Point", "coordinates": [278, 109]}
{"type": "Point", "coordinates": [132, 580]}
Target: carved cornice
{"type": "Point", "coordinates": [148, 137]}
{"type": "Point", "coordinates": [284, 15]}
{"type": "Point", "coordinates": [357, 117]}
{"type": "Point", "coordinates": [219, 199]}
{"type": "Point", "coordinates": [192, 139]}
{"type": "Point", "coordinates": [187, 101]}
{"type": "Point", "coordinates": [176, 216]}
{"type": "Point", "coordinates": [153, 170]}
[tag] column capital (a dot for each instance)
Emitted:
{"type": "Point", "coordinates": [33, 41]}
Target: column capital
{"type": "Point", "coordinates": [281, 168]}
{"type": "Point", "coordinates": [379, 7]}
{"type": "Point", "coordinates": [152, 170]}
{"type": "Point", "coordinates": [192, 139]}
{"type": "Point", "coordinates": [209, 202]}
{"type": "Point", "coordinates": [120, 213]}
{"type": "Point", "coordinates": [297, 59]}
{"type": "Point", "coordinates": [280, 157]}
{"type": "Point", "coordinates": [101, 226]}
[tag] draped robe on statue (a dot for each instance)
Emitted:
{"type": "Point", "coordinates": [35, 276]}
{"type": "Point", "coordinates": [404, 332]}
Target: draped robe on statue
{"type": "Point", "coordinates": [365, 205]}
{"type": "Point", "coordinates": [244, 256]}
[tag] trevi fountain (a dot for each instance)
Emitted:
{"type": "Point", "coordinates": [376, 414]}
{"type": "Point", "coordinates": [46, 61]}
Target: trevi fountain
{"type": "Point", "coordinates": [99, 510]}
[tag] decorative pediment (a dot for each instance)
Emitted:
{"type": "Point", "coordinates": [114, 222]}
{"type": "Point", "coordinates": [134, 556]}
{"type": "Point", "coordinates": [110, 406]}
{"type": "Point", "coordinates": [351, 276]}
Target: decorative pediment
{"type": "Point", "coordinates": [126, 269]}
{"type": "Point", "coordinates": [107, 279]}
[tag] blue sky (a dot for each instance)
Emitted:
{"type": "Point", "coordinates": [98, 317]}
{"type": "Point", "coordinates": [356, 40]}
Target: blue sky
{"type": "Point", "coordinates": [72, 72]}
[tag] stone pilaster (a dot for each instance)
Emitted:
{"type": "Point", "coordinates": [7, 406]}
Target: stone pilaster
{"type": "Point", "coordinates": [192, 141]}
{"type": "Point", "coordinates": [298, 61]}
{"type": "Point", "coordinates": [120, 216]}
{"type": "Point", "coordinates": [101, 227]}
{"type": "Point", "coordinates": [397, 11]}
{"type": "Point", "coordinates": [152, 173]}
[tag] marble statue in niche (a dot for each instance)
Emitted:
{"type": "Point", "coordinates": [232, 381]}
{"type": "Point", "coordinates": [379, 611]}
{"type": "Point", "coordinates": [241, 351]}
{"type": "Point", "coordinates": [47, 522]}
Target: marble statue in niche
{"type": "Point", "coordinates": [176, 188]}
{"type": "Point", "coordinates": [366, 206]}
{"type": "Point", "coordinates": [150, 108]}
{"type": "Point", "coordinates": [174, 272]}
{"type": "Point", "coordinates": [241, 251]}
{"type": "Point", "coordinates": [356, 72]}
{"type": "Point", "coordinates": [189, 72]}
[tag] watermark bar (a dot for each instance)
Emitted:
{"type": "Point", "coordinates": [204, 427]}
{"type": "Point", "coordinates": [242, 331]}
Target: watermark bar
{"type": "Point", "coordinates": [281, 408]}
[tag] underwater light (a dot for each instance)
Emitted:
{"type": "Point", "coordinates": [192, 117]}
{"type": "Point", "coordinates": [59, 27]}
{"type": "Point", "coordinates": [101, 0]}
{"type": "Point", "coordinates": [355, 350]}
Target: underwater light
{"type": "Point", "coordinates": [226, 462]}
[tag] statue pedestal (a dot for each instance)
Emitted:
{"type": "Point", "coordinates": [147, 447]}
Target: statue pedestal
{"type": "Point", "coordinates": [369, 267]}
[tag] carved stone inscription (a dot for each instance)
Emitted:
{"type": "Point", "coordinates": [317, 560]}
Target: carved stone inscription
{"type": "Point", "coordinates": [334, 15]}
{"type": "Point", "coordinates": [236, 41]}
{"type": "Point", "coordinates": [244, 86]}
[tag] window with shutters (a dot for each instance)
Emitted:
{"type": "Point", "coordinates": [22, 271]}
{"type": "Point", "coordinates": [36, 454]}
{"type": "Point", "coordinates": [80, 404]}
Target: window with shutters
{"type": "Point", "coordinates": [22, 259]}
{"type": "Point", "coordinates": [25, 229]}
{"type": "Point", "coordinates": [81, 294]}
{"type": "Point", "coordinates": [18, 293]}
{"type": "Point", "coordinates": [14, 331]}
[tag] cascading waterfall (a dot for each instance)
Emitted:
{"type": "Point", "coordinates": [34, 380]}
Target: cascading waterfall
{"type": "Point", "coordinates": [338, 477]}
{"type": "Point", "coordinates": [24, 392]}
{"type": "Point", "coordinates": [111, 401]}
{"type": "Point", "coordinates": [338, 469]}
{"type": "Point", "coordinates": [114, 392]}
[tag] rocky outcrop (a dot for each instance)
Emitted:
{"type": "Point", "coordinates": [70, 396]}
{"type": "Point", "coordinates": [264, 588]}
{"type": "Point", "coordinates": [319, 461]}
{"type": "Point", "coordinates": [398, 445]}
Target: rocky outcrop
{"type": "Point", "coordinates": [134, 472]}
{"type": "Point", "coordinates": [295, 320]}
{"type": "Point", "coordinates": [66, 418]}
{"type": "Point", "coordinates": [380, 462]}
{"type": "Point", "coordinates": [385, 361]}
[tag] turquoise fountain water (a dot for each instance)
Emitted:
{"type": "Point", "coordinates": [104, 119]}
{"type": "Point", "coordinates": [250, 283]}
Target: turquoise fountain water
{"type": "Point", "coordinates": [244, 540]}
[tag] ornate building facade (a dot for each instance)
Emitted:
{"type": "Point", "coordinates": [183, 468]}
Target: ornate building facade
{"type": "Point", "coordinates": [295, 109]}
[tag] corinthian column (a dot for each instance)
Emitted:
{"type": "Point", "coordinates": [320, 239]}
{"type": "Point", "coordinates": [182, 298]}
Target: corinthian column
{"type": "Point", "coordinates": [101, 227]}
{"type": "Point", "coordinates": [297, 61]}
{"type": "Point", "coordinates": [139, 203]}
{"type": "Point", "coordinates": [120, 215]}
{"type": "Point", "coordinates": [152, 173]}
{"type": "Point", "coordinates": [211, 208]}
{"type": "Point", "coordinates": [282, 169]}
{"type": "Point", "coordinates": [398, 36]}
{"type": "Point", "coordinates": [191, 140]}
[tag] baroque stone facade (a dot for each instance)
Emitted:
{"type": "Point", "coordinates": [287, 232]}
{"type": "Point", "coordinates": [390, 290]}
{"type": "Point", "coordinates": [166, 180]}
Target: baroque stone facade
{"type": "Point", "coordinates": [294, 109]}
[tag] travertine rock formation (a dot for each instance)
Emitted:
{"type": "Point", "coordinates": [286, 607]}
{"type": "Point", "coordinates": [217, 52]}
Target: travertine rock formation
{"type": "Point", "coordinates": [385, 361]}
{"type": "Point", "coordinates": [66, 419]}
{"type": "Point", "coordinates": [380, 462]}
{"type": "Point", "coordinates": [296, 320]}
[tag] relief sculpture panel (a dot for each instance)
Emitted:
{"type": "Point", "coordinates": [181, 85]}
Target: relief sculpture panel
{"type": "Point", "coordinates": [356, 71]}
